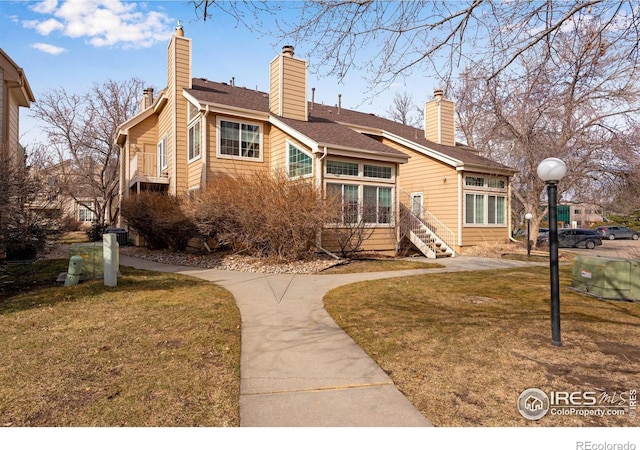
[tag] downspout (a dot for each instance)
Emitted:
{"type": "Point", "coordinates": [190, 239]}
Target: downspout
{"type": "Point", "coordinates": [320, 183]}
{"type": "Point", "coordinates": [205, 146]}
{"type": "Point", "coordinates": [460, 209]}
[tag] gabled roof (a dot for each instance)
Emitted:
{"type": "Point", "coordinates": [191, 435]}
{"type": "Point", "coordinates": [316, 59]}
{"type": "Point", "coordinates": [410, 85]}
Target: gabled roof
{"type": "Point", "coordinates": [17, 79]}
{"type": "Point", "coordinates": [336, 128]}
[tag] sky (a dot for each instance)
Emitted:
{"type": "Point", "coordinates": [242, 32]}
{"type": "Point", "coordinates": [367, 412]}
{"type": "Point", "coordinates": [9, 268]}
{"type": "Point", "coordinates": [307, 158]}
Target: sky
{"type": "Point", "coordinates": [72, 44]}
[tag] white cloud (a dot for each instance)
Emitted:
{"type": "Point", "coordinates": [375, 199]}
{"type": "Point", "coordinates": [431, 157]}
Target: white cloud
{"type": "Point", "coordinates": [104, 22]}
{"type": "Point", "coordinates": [45, 6]}
{"type": "Point", "coordinates": [48, 48]}
{"type": "Point", "coordinates": [44, 27]}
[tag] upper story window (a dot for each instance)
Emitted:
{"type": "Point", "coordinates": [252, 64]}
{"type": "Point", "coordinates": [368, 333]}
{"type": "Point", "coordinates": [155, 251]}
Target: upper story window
{"type": "Point", "coordinates": [194, 138]}
{"type": "Point", "coordinates": [354, 169]}
{"type": "Point", "coordinates": [485, 182]}
{"type": "Point", "coordinates": [342, 168]}
{"type": "Point", "coordinates": [299, 162]}
{"type": "Point", "coordinates": [162, 153]}
{"type": "Point", "coordinates": [377, 172]}
{"type": "Point", "coordinates": [239, 139]}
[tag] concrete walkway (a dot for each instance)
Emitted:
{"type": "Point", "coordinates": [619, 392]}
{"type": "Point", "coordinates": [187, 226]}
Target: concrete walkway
{"type": "Point", "coordinates": [298, 368]}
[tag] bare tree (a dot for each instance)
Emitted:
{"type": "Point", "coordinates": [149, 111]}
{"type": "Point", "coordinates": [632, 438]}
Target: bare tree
{"type": "Point", "coordinates": [572, 99]}
{"type": "Point", "coordinates": [404, 111]}
{"type": "Point", "coordinates": [81, 130]}
{"type": "Point", "coordinates": [438, 36]}
{"type": "Point", "coordinates": [29, 208]}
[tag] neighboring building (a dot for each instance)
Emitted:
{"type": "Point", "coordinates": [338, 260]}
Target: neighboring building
{"type": "Point", "coordinates": [64, 194]}
{"type": "Point", "coordinates": [424, 187]}
{"type": "Point", "coordinates": [14, 94]}
{"type": "Point", "coordinates": [576, 215]}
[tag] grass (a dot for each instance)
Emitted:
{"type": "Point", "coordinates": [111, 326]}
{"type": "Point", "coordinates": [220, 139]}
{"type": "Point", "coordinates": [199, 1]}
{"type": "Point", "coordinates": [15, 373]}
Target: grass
{"type": "Point", "coordinates": [381, 265]}
{"type": "Point", "coordinates": [462, 347]}
{"type": "Point", "coordinates": [157, 350]}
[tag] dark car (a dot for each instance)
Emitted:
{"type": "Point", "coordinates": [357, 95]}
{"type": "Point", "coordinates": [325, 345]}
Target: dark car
{"type": "Point", "coordinates": [575, 237]}
{"type": "Point", "coordinates": [617, 232]}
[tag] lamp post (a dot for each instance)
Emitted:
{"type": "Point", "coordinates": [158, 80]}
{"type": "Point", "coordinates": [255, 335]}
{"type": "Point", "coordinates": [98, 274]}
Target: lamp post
{"type": "Point", "coordinates": [528, 216]}
{"type": "Point", "coordinates": [551, 171]}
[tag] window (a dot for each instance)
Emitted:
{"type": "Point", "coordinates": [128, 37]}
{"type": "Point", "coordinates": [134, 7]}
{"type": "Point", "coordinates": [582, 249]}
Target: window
{"type": "Point", "coordinates": [377, 171]}
{"type": "Point", "coordinates": [485, 209]}
{"type": "Point", "coordinates": [367, 202]}
{"type": "Point", "coordinates": [194, 140]}
{"type": "Point", "coordinates": [377, 204]}
{"type": "Point", "coordinates": [342, 168]}
{"type": "Point", "coordinates": [474, 181]}
{"type": "Point", "coordinates": [299, 162]}
{"type": "Point", "coordinates": [492, 183]}
{"type": "Point", "coordinates": [162, 154]}
{"type": "Point", "coordinates": [241, 140]}
{"type": "Point", "coordinates": [496, 210]}
{"type": "Point", "coordinates": [85, 214]}
{"type": "Point", "coordinates": [349, 196]}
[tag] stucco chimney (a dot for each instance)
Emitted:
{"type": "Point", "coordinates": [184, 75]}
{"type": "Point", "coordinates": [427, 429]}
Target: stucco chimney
{"type": "Point", "coordinates": [439, 120]}
{"type": "Point", "coordinates": [288, 86]}
{"type": "Point", "coordinates": [179, 29]}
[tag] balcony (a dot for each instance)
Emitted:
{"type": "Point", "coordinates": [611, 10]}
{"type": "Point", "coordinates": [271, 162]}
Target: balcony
{"type": "Point", "coordinates": [144, 169]}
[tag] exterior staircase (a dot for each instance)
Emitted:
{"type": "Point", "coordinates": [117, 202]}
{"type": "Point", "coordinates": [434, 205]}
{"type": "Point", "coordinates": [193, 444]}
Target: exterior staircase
{"type": "Point", "coordinates": [427, 233]}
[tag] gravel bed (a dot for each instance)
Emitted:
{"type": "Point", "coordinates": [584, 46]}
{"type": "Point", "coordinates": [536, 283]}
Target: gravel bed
{"type": "Point", "coordinates": [231, 262]}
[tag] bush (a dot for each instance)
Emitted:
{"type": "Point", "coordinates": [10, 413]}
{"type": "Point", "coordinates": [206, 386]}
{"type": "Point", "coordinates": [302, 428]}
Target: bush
{"type": "Point", "coordinates": [95, 232]}
{"type": "Point", "coordinates": [261, 214]}
{"type": "Point", "coordinates": [160, 220]}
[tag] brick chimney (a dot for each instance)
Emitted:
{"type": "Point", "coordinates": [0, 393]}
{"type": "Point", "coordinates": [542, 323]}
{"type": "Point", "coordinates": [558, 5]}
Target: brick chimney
{"type": "Point", "coordinates": [288, 85]}
{"type": "Point", "coordinates": [439, 120]}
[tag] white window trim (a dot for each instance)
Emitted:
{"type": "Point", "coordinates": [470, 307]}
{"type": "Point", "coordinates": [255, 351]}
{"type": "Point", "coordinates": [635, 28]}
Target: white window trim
{"type": "Point", "coordinates": [361, 186]}
{"type": "Point", "coordinates": [191, 124]}
{"type": "Point", "coordinates": [360, 176]}
{"type": "Point", "coordinates": [163, 144]}
{"type": "Point", "coordinates": [486, 195]}
{"type": "Point", "coordinates": [300, 149]}
{"type": "Point", "coordinates": [486, 178]}
{"type": "Point", "coordinates": [239, 157]}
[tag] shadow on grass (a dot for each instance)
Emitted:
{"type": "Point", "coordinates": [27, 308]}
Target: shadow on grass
{"type": "Point", "coordinates": [34, 285]}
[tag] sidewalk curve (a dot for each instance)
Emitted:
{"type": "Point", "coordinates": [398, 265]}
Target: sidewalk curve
{"type": "Point", "coordinates": [298, 368]}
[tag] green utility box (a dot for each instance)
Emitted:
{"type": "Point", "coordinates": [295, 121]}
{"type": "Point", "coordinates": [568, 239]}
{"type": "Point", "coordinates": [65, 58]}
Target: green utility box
{"type": "Point", "coordinates": [92, 254]}
{"type": "Point", "coordinates": [607, 278]}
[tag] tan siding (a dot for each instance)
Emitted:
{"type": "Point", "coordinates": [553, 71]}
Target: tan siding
{"type": "Point", "coordinates": [183, 80]}
{"type": "Point", "coordinates": [440, 121]}
{"type": "Point", "coordinates": [13, 122]}
{"type": "Point", "coordinates": [381, 240]}
{"type": "Point", "coordinates": [427, 175]}
{"type": "Point", "coordinates": [448, 126]}
{"type": "Point", "coordinates": [195, 174]}
{"type": "Point", "coordinates": [217, 166]}
{"type": "Point", "coordinates": [274, 86]}
{"type": "Point", "coordinates": [295, 89]}
{"type": "Point", "coordinates": [278, 155]}
{"type": "Point", "coordinates": [478, 235]}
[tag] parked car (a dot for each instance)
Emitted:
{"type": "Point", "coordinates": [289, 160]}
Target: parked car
{"type": "Point", "coordinates": [617, 232]}
{"type": "Point", "coordinates": [574, 237]}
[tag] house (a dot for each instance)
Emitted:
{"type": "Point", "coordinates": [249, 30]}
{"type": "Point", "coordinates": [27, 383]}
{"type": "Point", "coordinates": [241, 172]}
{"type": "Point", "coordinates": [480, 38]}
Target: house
{"type": "Point", "coordinates": [15, 93]}
{"type": "Point", "coordinates": [420, 187]}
